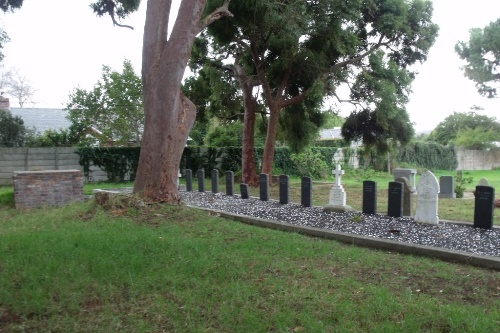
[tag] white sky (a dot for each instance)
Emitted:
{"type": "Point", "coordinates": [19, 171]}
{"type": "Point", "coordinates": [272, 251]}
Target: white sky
{"type": "Point", "coordinates": [60, 45]}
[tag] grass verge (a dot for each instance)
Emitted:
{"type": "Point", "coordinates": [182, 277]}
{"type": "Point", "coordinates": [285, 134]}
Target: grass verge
{"type": "Point", "coordinates": [175, 269]}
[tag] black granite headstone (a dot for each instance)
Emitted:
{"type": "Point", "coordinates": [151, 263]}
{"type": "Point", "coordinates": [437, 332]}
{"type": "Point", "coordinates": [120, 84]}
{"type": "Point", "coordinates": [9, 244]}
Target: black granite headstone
{"type": "Point", "coordinates": [229, 183]}
{"type": "Point", "coordinates": [306, 192]}
{"type": "Point", "coordinates": [201, 180]}
{"type": "Point", "coordinates": [484, 207]}
{"type": "Point", "coordinates": [395, 205]}
{"type": "Point", "coordinates": [244, 191]}
{"type": "Point", "coordinates": [369, 197]}
{"type": "Point", "coordinates": [215, 181]}
{"type": "Point", "coordinates": [264, 187]}
{"type": "Point", "coordinates": [189, 180]}
{"type": "Point", "coordinates": [284, 189]}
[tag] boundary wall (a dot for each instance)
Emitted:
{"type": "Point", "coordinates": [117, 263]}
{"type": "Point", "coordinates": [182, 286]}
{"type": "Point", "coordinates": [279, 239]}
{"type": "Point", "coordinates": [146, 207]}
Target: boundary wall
{"type": "Point", "coordinates": [66, 158]}
{"type": "Point", "coordinates": [40, 159]}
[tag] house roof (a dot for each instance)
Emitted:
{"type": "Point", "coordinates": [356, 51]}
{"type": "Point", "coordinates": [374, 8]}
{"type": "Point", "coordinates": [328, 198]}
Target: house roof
{"type": "Point", "coordinates": [42, 119]}
{"type": "Point", "coordinates": [330, 134]}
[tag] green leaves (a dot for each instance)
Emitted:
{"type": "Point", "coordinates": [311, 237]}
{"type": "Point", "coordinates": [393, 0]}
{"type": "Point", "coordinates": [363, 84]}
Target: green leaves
{"type": "Point", "coordinates": [467, 129]}
{"type": "Point", "coordinates": [112, 111]}
{"type": "Point", "coordinates": [10, 5]}
{"type": "Point", "coordinates": [482, 56]}
{"type": "Point", "coordinates": [12, 130]}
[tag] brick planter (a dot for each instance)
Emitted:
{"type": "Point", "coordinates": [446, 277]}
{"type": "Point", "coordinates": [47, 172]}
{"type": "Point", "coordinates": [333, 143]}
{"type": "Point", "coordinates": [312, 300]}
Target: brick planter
{"type": "Point", "coordinates": [47, 188]}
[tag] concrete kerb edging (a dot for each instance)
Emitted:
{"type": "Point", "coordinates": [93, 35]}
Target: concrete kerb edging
{"type": "Point", "coordinates": [375, 243]}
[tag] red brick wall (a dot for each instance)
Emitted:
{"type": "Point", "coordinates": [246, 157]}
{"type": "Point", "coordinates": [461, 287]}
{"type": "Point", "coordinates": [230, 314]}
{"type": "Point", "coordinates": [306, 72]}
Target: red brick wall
{"type": "Point", "coordinates": [47, 188]}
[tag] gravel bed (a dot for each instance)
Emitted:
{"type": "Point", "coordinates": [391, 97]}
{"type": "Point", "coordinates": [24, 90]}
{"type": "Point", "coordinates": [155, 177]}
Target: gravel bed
{"type": "Point", "coordinates": [445, 235]}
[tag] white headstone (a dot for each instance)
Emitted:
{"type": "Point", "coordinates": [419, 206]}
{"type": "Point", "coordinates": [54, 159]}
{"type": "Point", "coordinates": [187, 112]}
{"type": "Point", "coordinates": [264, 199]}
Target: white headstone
{"type": "Point", "coordinates": [483, 182]}
{"type": "Point", "coordinates": [427, 199]}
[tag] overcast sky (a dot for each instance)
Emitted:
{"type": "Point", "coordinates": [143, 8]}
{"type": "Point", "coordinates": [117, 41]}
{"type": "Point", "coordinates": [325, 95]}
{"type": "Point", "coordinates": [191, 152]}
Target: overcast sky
{"type": "Point", "coordinates": [60, 45]}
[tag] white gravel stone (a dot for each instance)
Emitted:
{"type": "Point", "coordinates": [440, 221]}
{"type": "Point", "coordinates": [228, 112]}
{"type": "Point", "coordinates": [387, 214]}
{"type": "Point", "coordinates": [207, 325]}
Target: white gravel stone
{"type": "Point", "coordinates": [447, 235]}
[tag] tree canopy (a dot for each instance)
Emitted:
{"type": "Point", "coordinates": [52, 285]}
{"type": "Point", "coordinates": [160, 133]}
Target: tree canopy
{"type": "Point", "coordinates": [10, 5]}
{"type": "Point", "coordinates": [482, 55]}
{"type": "Point", "coordinates": [467, 129]}
{"type": "Point", "coordinates": [290, 53]}
{"type": "Point", "coordinates": [112, 111]}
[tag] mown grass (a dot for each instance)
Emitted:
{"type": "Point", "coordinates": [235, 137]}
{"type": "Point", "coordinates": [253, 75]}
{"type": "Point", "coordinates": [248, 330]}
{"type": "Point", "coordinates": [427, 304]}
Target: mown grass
{"type": "Point", "coordinates": [174, 269]}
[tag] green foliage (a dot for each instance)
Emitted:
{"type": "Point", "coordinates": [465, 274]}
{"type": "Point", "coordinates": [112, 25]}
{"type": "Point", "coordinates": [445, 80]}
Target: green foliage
{"type": "Point", "coordinates": [482, 56]}
{"type": "Point", "coordinates": [120, 8]}
{"type": "Point", "coordinates": [300, 126]}
{"type": "Point", "coordinates": [10, 5]}
{"type": "Point", "coordinates": [386, 86]}
{"type": "Point", "coordinates": [113, 110]}
{"type": "Point", "coordinates": [51, 138]}
{"type": "Point", "coordinates": [227, 135]}
{"type": "Point", "coordinates": [12, 130]}
{"type": "Point", "coordinates": [461, 183]}
{"type": "Point", "coordinates": [207, 158]}
{"type": "Point", "coordinates": [477, 138]}
{"type": "Point", "coordinates": [117, 162]}
{"type": "Point", "coordinates": [310, 164]}
{"type": "Point", "coordinates": [466, 126]}
{"type": "Point", "coordinates": [332, 119]}
{"type": "Point", "coordinates": [4, 38]}
{"type": "Point", "coordinates": [429, 155]}
{"type": "Point", "coordinates": [302, 51]}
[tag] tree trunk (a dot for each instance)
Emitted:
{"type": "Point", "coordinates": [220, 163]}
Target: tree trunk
{"type": "Point", "coordinates": [169, 116]}
{"type": "Point", "coordinates": [270, 146]}
{"type": "Point", "coordinates": [249, 171]}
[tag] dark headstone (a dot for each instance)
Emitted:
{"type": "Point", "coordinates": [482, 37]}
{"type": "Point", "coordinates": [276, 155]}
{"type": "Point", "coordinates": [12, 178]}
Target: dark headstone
{"type": "Point", "coordinates": [201, 180]}
{"type": "Point", "coordinates": [369, 197]}
{"type": "Point", "coordinates": [215, 181]}
{"type": "Point", "coordinates": [284, 189]}
{"type": "Point", "coordinates": [306, 192]}
{"type": "Point", "coordinates": [447, 187]}
{"type": "Point", "coordinates": [407, 196]}
{"type": "Point", "coordinates": [229, 183]}
{"type": "Point", "coordinates": [395, 205]}
{"type": "Point", "coordinates": [484, 207]}
{"type": "Point", "coordinates": [264, 187]}
{"type": "Point", "coordinates": [189, 180]}
{"type": "Point", "coordinates": [244, 191]}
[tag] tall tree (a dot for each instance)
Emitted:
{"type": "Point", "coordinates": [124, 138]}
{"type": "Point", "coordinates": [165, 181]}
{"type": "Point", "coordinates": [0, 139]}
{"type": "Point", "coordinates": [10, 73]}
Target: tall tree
{"type": "Point", "coordinates": [20, 87]}
{"type": "Point", "coordinates": [112, 108]}
{"type": "Point", "coordinates": [297, 52]}
{"type": "Point", "coordinates": [461, 125]}
{"type": "Point", "coordinates": [169, 115]}
{"type": "Point", "coordinates": [482, 56]}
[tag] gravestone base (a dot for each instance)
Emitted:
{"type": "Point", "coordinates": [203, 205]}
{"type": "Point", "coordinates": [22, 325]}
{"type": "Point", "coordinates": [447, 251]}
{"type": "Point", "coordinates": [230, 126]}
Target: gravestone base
{"type": "Point", "coordinates": [337, 200]}
{"type": "Point", "coordinates": [337, 209]}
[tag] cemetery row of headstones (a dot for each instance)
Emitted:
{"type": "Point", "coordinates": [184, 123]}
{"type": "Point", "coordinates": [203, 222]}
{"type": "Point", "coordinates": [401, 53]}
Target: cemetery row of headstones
{"type": "Point", "coordinates": [400, 194]}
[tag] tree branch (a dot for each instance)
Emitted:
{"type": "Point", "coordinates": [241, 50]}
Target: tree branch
{"type": "Point", "coordinates": [111, 12]}
{"type": "Point", "coordinates": [215, 15]}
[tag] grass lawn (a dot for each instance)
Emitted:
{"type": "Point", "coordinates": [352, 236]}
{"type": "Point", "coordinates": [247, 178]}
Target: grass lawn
{"type": "Point", "coordinates": [174, 269]}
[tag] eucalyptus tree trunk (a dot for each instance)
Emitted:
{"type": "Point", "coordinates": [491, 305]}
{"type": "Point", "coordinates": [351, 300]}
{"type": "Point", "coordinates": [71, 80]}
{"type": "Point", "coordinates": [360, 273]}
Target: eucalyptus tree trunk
{"type": "Point", "coordinates": [169, 115]}
{"type": "Point", "coordinates": [249, 170]}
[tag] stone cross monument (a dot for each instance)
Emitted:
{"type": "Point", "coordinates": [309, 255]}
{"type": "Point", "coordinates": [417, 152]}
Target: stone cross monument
{"type": "Point", "coordinates": [338, 197]}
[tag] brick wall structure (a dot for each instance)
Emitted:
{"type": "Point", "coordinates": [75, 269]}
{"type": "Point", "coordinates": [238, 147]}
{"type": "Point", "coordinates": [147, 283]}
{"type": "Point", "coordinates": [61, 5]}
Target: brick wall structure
{"type": "Point", "coordinates": [34, 189]}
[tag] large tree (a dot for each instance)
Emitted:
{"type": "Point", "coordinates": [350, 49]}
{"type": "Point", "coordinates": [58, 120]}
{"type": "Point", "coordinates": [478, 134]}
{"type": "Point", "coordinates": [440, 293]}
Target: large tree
{"type": "Point", "coordinates": [482, 56]}
{"type": "Point", "coordinates": [113, 110]}
{"type": "Point", "coordinates": [291, 53]}
{"type": "Point", "coordinates": [169, 115]}
{"type": "Point", "coordinates": [468, 129]}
